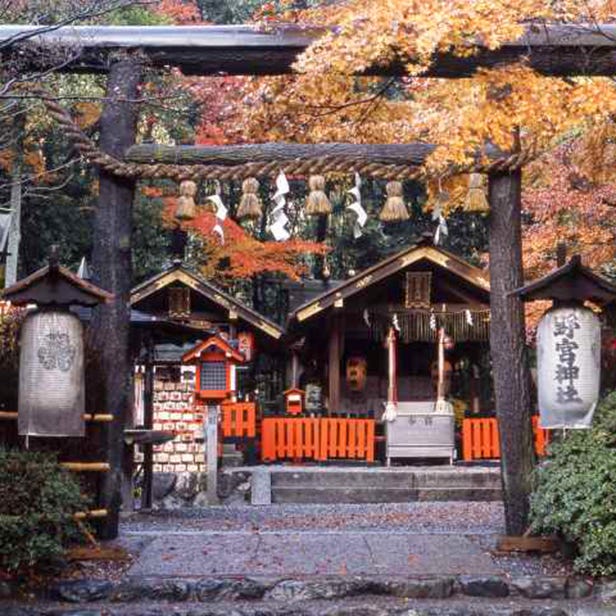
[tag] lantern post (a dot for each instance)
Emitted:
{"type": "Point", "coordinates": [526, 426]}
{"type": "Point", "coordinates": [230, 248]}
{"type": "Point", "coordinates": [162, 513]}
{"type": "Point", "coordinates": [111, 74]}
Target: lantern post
{"type": "Point", "coordinates": [215, 381]}
{"type": "Point", "coordinates": [569, 344]}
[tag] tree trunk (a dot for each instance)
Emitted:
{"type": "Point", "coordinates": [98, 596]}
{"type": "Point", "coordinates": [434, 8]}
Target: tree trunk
{"type": "Point", "coordinates": [507, 346]}
{"type": "Point", "coordinates": [111, 260]}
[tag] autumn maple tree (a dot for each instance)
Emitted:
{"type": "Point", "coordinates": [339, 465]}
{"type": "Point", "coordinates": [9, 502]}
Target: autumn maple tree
{"type": "Point", "coordinates": [229, 252]}
{"type": "Point", "coordinates": [509, 109]}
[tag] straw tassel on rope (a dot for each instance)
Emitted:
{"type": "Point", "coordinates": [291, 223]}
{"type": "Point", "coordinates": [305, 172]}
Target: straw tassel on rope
{"type": "Point", "coordinates": [250, 204]}
{"type": "Point", "coordinates": [476, 200]}
{"type": "Point", "coordinates": [394, 208]}
{"type": "Point", "coordinates": [318, 203]}
{"type": "Point", "coordinates": [186, 201]}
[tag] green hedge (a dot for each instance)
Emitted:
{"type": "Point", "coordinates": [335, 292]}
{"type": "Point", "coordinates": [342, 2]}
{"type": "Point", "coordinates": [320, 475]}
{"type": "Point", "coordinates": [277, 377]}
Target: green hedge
{"type": "Point", "coordinates": [37, 500]}
{"type": "Point", "coordinates": [575, 492]}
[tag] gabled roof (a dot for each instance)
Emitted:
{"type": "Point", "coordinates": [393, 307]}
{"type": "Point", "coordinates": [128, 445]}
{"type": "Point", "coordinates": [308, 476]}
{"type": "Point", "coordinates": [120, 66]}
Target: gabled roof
{"type": "Point", "coordinates": [217, 342]}
{"type": "Point", "coordinates": [422, 250]}
{"type": "Point", "coordinates": [178, 273]}
{"type": "Point", "coordinates": [570, 282]}
{"type": "Point", "coordinates": [54, 284]}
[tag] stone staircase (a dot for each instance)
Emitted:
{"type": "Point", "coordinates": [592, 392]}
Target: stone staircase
{"type": "Point", "coordinates": [384, 485]}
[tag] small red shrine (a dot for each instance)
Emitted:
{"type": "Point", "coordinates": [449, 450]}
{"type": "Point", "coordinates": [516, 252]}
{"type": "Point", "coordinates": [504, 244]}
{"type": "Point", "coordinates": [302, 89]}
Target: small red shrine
{"type": "Point", "coordinates": [216, 361]}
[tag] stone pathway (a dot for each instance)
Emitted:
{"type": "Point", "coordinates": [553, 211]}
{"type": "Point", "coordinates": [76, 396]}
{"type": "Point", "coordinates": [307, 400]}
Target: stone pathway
{"type": "Point", "coordinates": [311, 540]}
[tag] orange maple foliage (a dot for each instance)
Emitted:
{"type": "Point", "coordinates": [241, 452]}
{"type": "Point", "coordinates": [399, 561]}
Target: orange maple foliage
{"type": "Point", "coordinates": [240, 255]}
{"type": "Point", "coordinates": [182, 12]}
{"type": "Point", "coordinates": [561, 204]}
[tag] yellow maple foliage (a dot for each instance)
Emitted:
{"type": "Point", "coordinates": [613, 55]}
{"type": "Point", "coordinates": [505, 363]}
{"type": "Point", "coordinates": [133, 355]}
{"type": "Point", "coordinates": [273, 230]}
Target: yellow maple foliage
{"type": "Point", "coordinates": [506, 107]}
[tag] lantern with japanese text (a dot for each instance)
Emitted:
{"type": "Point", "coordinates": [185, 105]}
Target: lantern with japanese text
{"type": "Point", "coordinates": [51, 361]}
{"type": "Point", "coordinates": [569, 344]}
{"type": "Point", "coordinates": [568, 367]}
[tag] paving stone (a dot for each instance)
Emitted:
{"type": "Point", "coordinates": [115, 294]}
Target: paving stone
{"type": "Point", "coordinates": [82, 591]}
{"type": "Point", "coordinates": [490, 586]}
{"type": "Point", "coordinates": [299, 590]}
{"type": "Point", "coordinates": [261, 487]}
{"type": "Point", "coordinates": [578, 588]}
{"type": "Point", "coordinates": [7, 589]}
{"type": "Point", "coordinates": [162, 484]}
{"type": "Point", "coordinates": [538, 587]}
{"type": "Point", "coordinates": [429, 588]}
{"type": "Point", "coordinates": [159, 590]}
{"type": "Point", "coordinates": [608, 592]}
{"type": "Point", "coordinates": [228, 589]}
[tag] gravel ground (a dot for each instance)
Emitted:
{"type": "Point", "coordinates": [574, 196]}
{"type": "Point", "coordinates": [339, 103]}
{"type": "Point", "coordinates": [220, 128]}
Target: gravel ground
{"type": "Point", "coordinates": [431, 517]}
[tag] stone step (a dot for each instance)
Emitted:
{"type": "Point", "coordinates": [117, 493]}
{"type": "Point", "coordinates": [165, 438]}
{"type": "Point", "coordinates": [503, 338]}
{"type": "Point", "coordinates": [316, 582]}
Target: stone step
{"type": "Point", "coordinates": [355, 606]}
{"type": "Point", "coordinates": [363, 494]}
{"type": "Point", "coordinates": [335, 595]}
{"type": "Point", "coordinates": [383, 478]}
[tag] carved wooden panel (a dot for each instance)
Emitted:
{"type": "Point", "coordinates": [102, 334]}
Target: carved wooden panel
{"type": "Point", "coordinates": [179, 302]}
{"type": "Point", "coordinates": [418, 289]}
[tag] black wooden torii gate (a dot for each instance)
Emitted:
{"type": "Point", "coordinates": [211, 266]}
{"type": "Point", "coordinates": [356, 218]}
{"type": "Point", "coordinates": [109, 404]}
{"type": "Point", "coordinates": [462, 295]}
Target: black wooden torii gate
{"type": "Point", "coordinates": [211, 50]}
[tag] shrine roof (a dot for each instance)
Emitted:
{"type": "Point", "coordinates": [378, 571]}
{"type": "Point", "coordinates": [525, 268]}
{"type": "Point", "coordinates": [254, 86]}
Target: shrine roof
{"type": "Point", "coordinates": [570, 282]}
{"type": "Point", "coordinates": [178, 273]}
{"type": "Point", "coordinates": [213, 341]}
{"type": "Point", "coordinates": [423, 250]}
{"type": "Point", "coordinates": [54, 284]}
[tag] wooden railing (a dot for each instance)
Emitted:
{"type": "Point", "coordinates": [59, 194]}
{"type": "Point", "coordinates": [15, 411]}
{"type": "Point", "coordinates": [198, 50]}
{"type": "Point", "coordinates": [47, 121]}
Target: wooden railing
{"type": "Point", "coordinates": [239, 420]}
{"type": "Point", "coordinates": [320, 439]}
{"type": "Point", "coordinates": [347, 438]}
{"type": "Point", "coordinates": [480, 438]}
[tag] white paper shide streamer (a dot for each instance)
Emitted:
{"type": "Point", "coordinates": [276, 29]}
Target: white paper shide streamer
{"type": "Point", "coordinates": [357, 207]}
{"type": "Point", "coordinates": [221, 215]}
{"type": "Point", "coordinates": [441, 230]}
{"type": "Point", "coordinates": [279, 220]}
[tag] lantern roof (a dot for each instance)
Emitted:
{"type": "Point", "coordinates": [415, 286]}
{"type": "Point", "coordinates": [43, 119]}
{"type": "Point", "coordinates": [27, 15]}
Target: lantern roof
{"type": "Point", "coordinates": [215, 342]}
{"type": "Point", "coordinates": [568, 283]}
{"type": "Point", "coordinates": [55, 285]}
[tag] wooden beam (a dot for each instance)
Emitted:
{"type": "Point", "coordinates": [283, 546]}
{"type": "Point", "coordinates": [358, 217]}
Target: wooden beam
{"type": "Point", "coordinates": [253, 50]}
{"type": "Point", "coordinates": [412, 155]}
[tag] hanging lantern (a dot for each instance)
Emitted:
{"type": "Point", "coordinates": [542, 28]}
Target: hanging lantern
{"type": "Point", "coordinates": [317, 203]}
{"type": "Point", "coordinates": [568, 367]}
{"type": "Point", "coordinates": [51, 375]}
{"type": "Point", "coordinates": [250, 204]}
{"type": "Point", "coordinates": [51, 361]}
{"type": "Point", "coordinates": [186, 201]}
{"type": "Point", "coordinates": [476, 200]}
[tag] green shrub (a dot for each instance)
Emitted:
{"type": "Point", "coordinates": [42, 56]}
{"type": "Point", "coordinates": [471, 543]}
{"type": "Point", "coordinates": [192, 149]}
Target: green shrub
{"type": "Point", "coordinates": [37, 500]}
{"type": "Point", "coordinates": [575, 492]}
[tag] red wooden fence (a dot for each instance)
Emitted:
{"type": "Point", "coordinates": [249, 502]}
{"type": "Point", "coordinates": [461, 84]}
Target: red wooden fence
{"type": "Point", "coordinates": [239, 420]}
{"type": "Point", "coordinates": [323, 438]}
{"type": "Point", "coordinates": [480, 439]}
